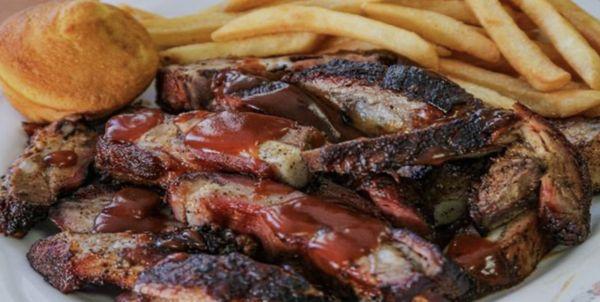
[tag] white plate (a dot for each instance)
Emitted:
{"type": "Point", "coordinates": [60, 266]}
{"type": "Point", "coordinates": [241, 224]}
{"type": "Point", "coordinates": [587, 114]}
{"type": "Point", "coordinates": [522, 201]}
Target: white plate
{"type": "Point", "coordinates": [571, 275]}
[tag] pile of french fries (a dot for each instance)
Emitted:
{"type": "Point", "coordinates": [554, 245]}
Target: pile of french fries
{"type": "Point", "coordinates": [543, 54]}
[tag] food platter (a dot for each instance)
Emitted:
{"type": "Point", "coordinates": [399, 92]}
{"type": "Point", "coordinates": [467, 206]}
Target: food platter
{"type": "Point", "coordinates": [564, 275]}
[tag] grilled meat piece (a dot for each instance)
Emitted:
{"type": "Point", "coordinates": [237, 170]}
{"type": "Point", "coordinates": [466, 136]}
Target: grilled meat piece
{"type": "Point", "coordinates": [565, 188]}
{"type": "Point", "coordinates": [358, 250]}
{"type": "Point", "coordinates": [380, 99]}
{"type": "Point", "coordinates": [480, 132]}
{"type": "Point", "coordinates": [69, 261]}
{"type": "Point", "coordinates": [103, 208]}
{"type": "Point", "coordinates": [186, 88]}
{"type": "Point", "coordinates": [503, 258]}
{"type": "Point", "coordinates": [446, 189]}
{"type": "Point", "coordinates": [233, 277]}
{"type": "Point", "coordinates": [508, 189]}
{"type": "Point", "coordinates": [149, 147]}
{"type": "Point", "coordinates": [397, 203]}
{"type": "Point", "coordinates": [236, 91]}
{"type": "Point", "coordinates": [55, 161]}
{"type": "Point", "coordinates": [584, 134]}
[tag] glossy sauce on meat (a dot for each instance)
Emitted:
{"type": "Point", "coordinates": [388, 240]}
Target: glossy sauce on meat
{"type": "Point", "coordinates": [480, 257]}
{"type": "Point", "coordinates": [61, 159]}
{"type": "Point", "coordinates": [131, 209]}
{"type": "Point", "coordinates": [131, 126]}
{"type": "Point", "coordinates": [236, 133]}
{"type": "Point", "coordinates": [281, 99]}
{"type": "Point", "coordinates": [336, 236]}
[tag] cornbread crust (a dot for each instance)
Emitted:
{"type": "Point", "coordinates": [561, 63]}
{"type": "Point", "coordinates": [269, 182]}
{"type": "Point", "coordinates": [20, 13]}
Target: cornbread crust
{"type": "Point", "coordinates": [66, 57]}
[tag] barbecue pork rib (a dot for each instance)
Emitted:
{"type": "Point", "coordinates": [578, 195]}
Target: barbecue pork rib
{"type": "Point", "coordinates": [150, 147]}
{"type": "Point", "coordinates": [361, 251]}
{"type": "Point", "coordinates": [379, 99]}
{"type": "Point", "coordinates": [190, 87]}
{"type": "Point", "coordinates": [447, 189]}
{"type": "Point", "coordinates": [584, 134]}
{"type": "Point", "coordinates": [478, 133]}
{"type": "Point", "coordinates": [55, 161]}
{"type": "Point", "coordinates": [397, 203]}
{"type": "Point", "coordinates": [504, 257]}
{"type": "Point", "coordinates": [508, 188]}
{"type": "Point", "coordinates": [101, 208]}
{"type": "Point", "coordinates": [232, 277]}
{"type": "Point", "coordinates": [69, 261]}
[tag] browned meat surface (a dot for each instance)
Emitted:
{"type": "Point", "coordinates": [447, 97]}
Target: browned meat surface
{"type": "Point", "coordinates": [150, 147]}
{"type": "Point", "coordinates": [378, 262]}
{"type": "Point", "coordinates": [397, 202]}
{"type": "Point", "coordinates": [508, 189]}
{"type": "Point", "coordinates": [329, 191]}
{"type": "Point", "coordinates": [185, 88]}
{"type": "Point", "coordinates": [447, 189]}
{"type": "Point", "coordinates": [380, 99]}
{"type": "Point", "coordinates": [69, 261]}
{"type": "Point", "coordinates": [55, 161]}
{"type": "Point", "coordinates": [478, 133]}
{"type": "Point", "coordinates": [237, 91]}
{"type": "Point", "coordinates": [504, 257]}
{"type": "Point", "coordinates": [584, 133]}
{"type": "Point", "coordinates": [106, 209]}
{"type": "Point", "coordinates": [565, 188]}
{"type": "Point", "coordinates": [233, 277]}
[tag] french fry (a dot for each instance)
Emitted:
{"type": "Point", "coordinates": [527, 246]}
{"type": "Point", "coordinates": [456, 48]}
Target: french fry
{"type": "Point", "coordinates": [557, 104]}
{"type": "Point", "coordinates": [488, 96]}
{"type": "Point", "coordinates": [292, 18]}
{"type": "Point", "coordinates": [585, 23]}
{"type": "Point", "coordinates": [517, 48]}
{"type": "Point", "coordinates": [261, 46]}
{"type": "Point", "coordinates": [337, 44]}
{"type": "Point", "coordinates": [573, 46]}
{"type": "Point", "coordinates": [140, 14]}
{"type": "Point", "coordinates": [437, 28]}
{"type": "Point", "coordinates": [184, 30]}
{"type": "Point", "coordinates": [346, 6]}
{"type": "Point", "coordinates": [501, 66]}
{"type": "Point", "coordinates": [242, 5]}
{"type": "Point", "coordinates": [443, 51]}
{"type": "Point", "coordinates": [456, 9]}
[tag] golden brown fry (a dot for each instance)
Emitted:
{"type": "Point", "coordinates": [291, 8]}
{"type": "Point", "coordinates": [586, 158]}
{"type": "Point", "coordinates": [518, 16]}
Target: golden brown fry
{"type": "Point", "coordinates": [553, 54]}
{"type": "Point", "coordinates": [573, 46]}
{"type": "Point", "coordinates": [562, 103]}
{"type": "Point", "coordinates": [582, 20]}
{"type": "Point", "coordinates": [517, 48]}
{"type": "Point", "coordinates": [186, 29]}
{"type": "Point", "coordinates": [443, 51]}
{"type": "Point", "coordinates": [456, 9]}
{"type": "Point", "coordinates": [261, 46]}
{"type": "Point", "coordinates": [487, 95]}
{"type": "Point", "coordinates": [502, 66]}
{"type": "Point", "coordinates": [346, 6]}
{"type": "Point", "coordinates": [337, 44]}
{"type": "Point", "coordinates": [291, 18]}
{"type": "Point", "coordinates": [242, 5]}
{"type": "Point", "coordinates": [437, 28]}
{"type": "Point", "coordinates": [140, 14]}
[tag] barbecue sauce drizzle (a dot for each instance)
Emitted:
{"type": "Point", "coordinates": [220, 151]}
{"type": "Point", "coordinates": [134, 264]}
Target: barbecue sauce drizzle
{"type": "Point", "coordinates": [131, 209]}
{"type": "Point", "coordinates": [239, 134]}
{"type": "Point", "coordinates": [252, 93]}
{"type": "Point", "coordinates": [481, 258]}
{"type": "Point", "coordinates": [332, 235]}
{"type": "Point", "coordinates": [131, 126]}
{"type": "Point", "coordinates": [61, 159]}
